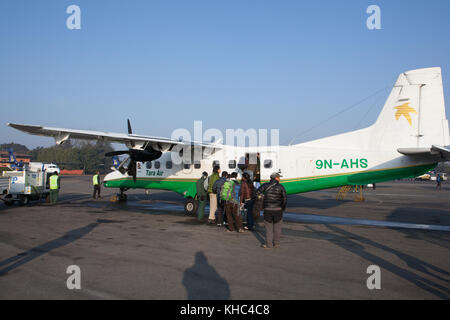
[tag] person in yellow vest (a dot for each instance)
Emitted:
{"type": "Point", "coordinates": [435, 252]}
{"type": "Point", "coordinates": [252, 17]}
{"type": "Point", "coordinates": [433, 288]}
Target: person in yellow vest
{"type": "Point", "coordinates": [96, 183]}
{"type": "Point", "coordinates": [54, 188]}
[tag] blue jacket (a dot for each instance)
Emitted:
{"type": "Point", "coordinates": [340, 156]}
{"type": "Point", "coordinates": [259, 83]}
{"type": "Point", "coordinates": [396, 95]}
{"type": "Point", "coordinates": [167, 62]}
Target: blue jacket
{"type": "Point", "coordinates": [237, 187]}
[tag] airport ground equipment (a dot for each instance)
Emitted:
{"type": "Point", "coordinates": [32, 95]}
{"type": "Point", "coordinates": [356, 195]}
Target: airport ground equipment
{"type": "Point", "coordinates": [357, 190]}
{"type": "Point", "coordinates": [342, 193]}
{"type": "Point", "coordinates": [26, 185]}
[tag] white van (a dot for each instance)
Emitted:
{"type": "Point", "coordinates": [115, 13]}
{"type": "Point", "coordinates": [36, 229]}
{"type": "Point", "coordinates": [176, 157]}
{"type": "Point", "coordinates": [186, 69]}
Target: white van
{"type": "Point", "coordinates": [50, 167]}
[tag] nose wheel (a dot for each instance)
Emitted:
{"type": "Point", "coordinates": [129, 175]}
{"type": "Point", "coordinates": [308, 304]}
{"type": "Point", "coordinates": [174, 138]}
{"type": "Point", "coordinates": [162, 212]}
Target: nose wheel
{"type": "Point", "coordinates": [191, 206]}
{"type": "Point", "coordinates": [120, 197]}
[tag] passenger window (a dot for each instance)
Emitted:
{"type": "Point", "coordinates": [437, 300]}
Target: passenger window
{"type": "Point", "coordinates": [197, 165]}
{"type": "Point", "coordinates": [216, 163]}
{"type": "Point", "coordinates": [186, 165]}
{"type": "Point", "coordinates": [268, 164]}
{"type": "Point", "coordinates": [169, 165]}
{"type": "Point", "coordinates": [232, 164]}
{"type": "Point", "coordinates": [157, 164]}
{"type": "Point", "coordinates": [148, 164]}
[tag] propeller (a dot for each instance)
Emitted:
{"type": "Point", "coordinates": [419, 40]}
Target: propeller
{"type": "Point", "coordinates": [129, 127]}
{"type": "Point", "coordinates": [135, 155]}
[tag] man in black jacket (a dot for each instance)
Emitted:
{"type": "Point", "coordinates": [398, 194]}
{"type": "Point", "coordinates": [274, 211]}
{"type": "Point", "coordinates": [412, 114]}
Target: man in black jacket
{"type": "Point", "coordinates": [274, 204]}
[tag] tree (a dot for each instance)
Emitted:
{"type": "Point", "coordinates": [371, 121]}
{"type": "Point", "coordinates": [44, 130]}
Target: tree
{"type": "Point", "coordinates": [89, 156]}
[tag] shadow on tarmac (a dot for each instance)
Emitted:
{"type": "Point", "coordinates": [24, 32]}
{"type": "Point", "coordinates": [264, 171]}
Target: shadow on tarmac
{"type": "Point", "coordinates": [355, 244]}
{"type": "Point", "coordinates": [297, 200]}
{"type": "Point", "coordinates": [420, 216]}
{"type": "Point", "coordinates": [25, 257]}
{"type": "Point", "coordinates": [202, 282]}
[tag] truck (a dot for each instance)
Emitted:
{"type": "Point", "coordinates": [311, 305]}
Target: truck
{"type": "Point", "coordinates": [49, 167]}
{"type": "Point", "coordinates": [32, 183]}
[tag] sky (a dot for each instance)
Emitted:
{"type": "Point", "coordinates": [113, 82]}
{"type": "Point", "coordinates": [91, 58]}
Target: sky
{"type": "Point", "coordinates": [163, 64]}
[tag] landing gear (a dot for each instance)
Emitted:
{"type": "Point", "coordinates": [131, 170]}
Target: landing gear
{"type": "Point", "coordinates": [191, 206]}
{"type": "Point", "coordinates": [120, 197]}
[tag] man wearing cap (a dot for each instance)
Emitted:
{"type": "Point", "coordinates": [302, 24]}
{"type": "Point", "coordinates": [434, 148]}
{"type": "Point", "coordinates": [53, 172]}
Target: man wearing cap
{"type": "Point", "coordinates": [274, 204]}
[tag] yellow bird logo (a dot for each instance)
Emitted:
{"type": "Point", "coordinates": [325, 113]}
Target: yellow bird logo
{"type": "Point", "coordinates": [404, 110]}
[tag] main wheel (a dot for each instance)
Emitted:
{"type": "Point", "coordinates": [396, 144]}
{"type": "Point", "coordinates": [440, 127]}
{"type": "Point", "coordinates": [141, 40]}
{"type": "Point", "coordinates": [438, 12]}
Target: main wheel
{"type": "Point", "coordinates": [191, 206]}
{"type": "Point", "coordinates": [8, 200]}
{"type": "Point", "coordinates": [25, 200]}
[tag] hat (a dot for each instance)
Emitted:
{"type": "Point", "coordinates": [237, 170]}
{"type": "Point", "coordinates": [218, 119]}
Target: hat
{"type": "Point", "coordinates": [275, 175]}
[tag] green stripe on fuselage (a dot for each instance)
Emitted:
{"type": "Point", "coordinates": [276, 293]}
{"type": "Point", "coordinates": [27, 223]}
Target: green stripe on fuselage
{"type": "Point", "coordinates": [187, 188]}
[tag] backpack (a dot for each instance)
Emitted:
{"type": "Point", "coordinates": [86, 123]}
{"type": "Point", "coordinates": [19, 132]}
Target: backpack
{"type": "Point", "coordinates": [226, 193]}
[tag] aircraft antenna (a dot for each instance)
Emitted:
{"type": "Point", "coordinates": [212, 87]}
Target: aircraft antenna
{"type": "Point", "coordinates": [337, 114]}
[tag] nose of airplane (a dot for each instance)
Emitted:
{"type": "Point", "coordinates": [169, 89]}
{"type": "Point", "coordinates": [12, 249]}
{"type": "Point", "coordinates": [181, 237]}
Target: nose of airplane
{"type": "Point", "coordinates": [109, 177]}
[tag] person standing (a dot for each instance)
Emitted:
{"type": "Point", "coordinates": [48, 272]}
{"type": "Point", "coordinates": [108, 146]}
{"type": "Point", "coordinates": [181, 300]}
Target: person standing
{"type": "Point", "coordinates": [212, 195]}
{"type": "Point", "coordinates": [96, 184]}
{"type": "Point", "coordinates": [230, 193]}
{"type": "Point", "coordinates": [54, 188]}
{"type": "Point", "coordinates": [257, 175]}
{"type": "Point", "coordinates": [439, 182]}
{"type": "Point", "coordinates": [217, 188]}
{"type": "Point", "coordinates": [201, 194]}
{"type": "Point", "coordinates": [274, 204]}
{"type": "Point", "coordinates": [246, 199]}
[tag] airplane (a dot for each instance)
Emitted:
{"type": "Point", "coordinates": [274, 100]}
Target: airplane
{"type": "Point", "coordinates": [409, 138]}
{"type": "Point", "coordinates": [13, 163]}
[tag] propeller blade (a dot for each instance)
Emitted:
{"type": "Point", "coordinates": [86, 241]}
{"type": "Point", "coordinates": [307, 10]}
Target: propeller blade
{"type": "Point", "coordinates": [132, 169]}
{"type": "Point", "coordinates": [129, 127]}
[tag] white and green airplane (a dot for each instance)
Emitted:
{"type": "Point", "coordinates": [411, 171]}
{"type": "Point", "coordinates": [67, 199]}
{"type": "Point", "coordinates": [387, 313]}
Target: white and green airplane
{"type": "Point", "coordinates": [409, 138]}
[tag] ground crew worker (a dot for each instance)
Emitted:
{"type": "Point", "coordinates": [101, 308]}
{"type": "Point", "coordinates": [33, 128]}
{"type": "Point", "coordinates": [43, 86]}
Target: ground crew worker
{"type": "Point", "coordinates": [54, 188]}
{"type": "Point", "coordinates": [96, 183]}
{"type": "Point", "coordinates": [202, 194]}
{"type": "Point", "coordinates": [212, 195]}
{"type": "Point", "coordinates": [274, 203]}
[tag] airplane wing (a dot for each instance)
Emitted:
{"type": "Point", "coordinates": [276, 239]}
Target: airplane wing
{"type": "Point", "coordinates": [435, 152]}
{"type": "Point", "coordinates": [131, 140]}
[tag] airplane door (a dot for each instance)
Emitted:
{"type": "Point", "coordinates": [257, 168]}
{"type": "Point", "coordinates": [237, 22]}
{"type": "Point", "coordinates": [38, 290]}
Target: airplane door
{"type": "Point", "coordinates": [268, 164]}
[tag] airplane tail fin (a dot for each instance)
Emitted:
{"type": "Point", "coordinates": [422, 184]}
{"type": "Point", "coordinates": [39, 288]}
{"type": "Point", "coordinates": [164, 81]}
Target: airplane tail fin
{"type": "Point", "coordinates": [115, 161]}
{"type": "Point", "coordinates": [414, 113]}
{"type": "Point", "coordinates": [12, 157]}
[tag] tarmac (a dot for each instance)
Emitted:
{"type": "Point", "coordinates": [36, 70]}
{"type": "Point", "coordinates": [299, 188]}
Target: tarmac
{"type": "Point", "coordinates": [148, 248]}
